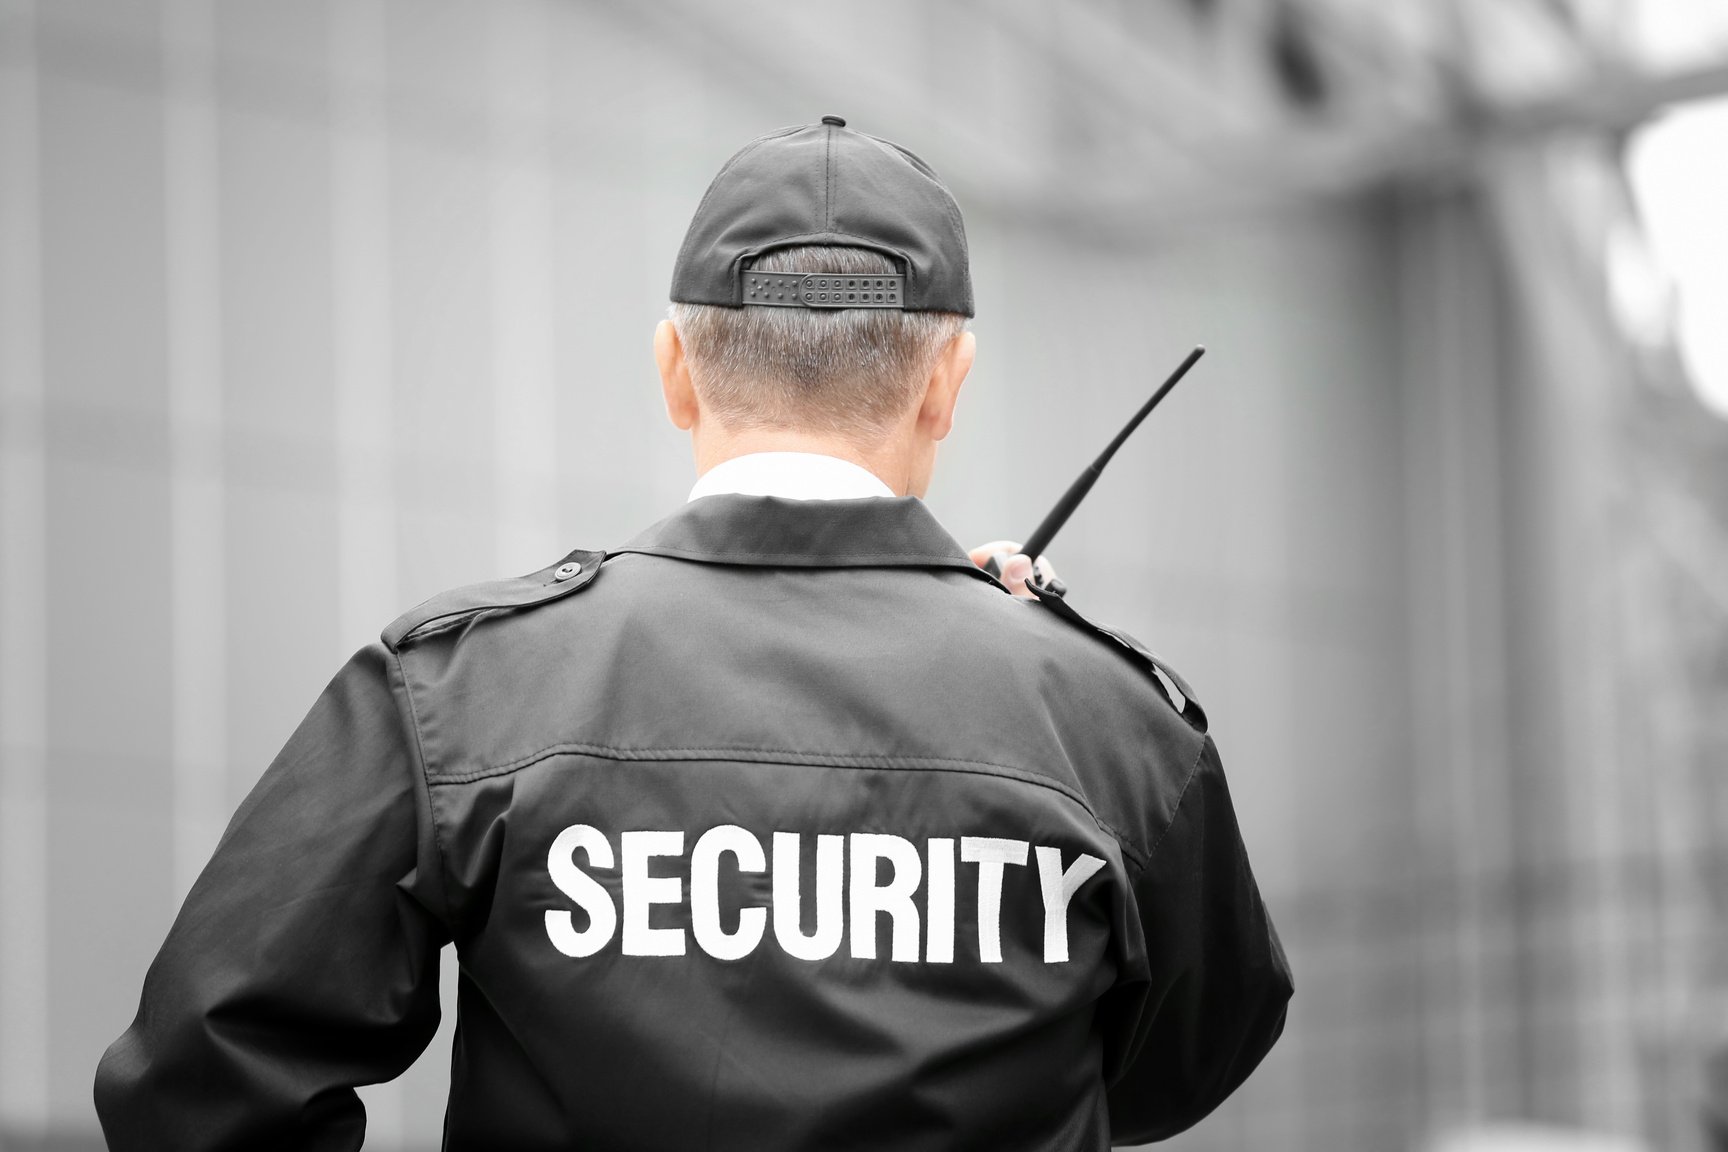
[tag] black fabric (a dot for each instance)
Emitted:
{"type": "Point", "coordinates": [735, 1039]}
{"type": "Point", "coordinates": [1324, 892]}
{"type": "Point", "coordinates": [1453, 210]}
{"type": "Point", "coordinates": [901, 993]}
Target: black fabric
{"type": "Point", "coordinates": [1056, 601]}
{"type": "Point", "coordinates": [826, 184]}
{"type": "Point", "coordinates": [804, 677]}
{"type": "Point", "coordinates": [523, 592]}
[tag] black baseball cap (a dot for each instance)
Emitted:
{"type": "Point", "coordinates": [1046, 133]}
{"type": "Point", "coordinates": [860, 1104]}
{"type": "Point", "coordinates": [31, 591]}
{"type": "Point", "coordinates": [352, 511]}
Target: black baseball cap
{"type": "Point", "coordinates": [826, 184]}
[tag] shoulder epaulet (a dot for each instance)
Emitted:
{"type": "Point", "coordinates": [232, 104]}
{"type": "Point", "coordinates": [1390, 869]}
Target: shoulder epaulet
{"type": "Point", "coordinates": [575, 571]}
{"type": "Point", "coordinates": [1170, 683]}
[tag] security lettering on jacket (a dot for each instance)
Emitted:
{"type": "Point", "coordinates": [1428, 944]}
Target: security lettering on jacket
{"type": "Point", "coordinates": [918, 898]}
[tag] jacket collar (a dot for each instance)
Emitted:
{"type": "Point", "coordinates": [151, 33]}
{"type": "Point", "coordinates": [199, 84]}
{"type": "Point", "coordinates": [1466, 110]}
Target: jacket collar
{"type": "Point", "coordinates": [770, 531]}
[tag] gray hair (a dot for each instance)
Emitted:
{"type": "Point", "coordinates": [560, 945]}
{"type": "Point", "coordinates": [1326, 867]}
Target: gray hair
{"type": "Point", "coordinates": [851, 371]}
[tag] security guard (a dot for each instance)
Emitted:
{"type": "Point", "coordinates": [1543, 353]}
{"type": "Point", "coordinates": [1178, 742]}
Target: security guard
{"type": "Point", "coordinates": [784, 826]}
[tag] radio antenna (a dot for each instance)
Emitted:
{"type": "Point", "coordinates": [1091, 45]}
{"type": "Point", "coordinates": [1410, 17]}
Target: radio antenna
{"type": "Point", "coordinates": [1045, 532]}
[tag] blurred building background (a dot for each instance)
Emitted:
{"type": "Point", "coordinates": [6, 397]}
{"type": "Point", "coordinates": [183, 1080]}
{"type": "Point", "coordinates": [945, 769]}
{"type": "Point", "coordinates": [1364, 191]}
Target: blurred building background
{"type": "Point", "coordinates": [309, 310]}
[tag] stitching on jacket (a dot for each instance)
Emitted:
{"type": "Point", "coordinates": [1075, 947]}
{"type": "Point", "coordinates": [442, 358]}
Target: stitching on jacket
{"type": "Point", "coordinates": [797, 756]}
{"type": "Point", "coordinates": [809, 759]}
{"type": "Point", "coordinates": [426, 782]}
{"type": "Point", "coordinates": [1176, 809]}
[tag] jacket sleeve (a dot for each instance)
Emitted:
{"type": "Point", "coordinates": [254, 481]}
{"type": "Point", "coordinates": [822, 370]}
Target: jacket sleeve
{"type": "Point", "coordinates": [305, 959]}
{"type": "Point", "coordinates": [1219, 979]}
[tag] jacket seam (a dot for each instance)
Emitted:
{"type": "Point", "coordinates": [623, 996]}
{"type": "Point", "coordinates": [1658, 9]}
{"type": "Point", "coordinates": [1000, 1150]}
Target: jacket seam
{"type": "Point", "coordinates": [426, 783]}
{"type": "Point", "coordinates": [790, 756]}
{"type": "Point", "coordinates": [1176, 809]}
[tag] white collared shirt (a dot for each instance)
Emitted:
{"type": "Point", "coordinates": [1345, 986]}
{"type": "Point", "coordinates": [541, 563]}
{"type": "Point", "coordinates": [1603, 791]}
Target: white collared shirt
{"type": "Point", "coordinates": [791, 475]}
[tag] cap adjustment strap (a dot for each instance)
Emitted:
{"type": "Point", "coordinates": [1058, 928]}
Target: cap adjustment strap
{"type": "Point", "coordinates": [823, 290]}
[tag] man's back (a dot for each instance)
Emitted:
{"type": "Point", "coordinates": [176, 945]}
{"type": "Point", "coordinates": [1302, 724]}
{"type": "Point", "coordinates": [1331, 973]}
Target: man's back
{"type": "Point", "coordinates": [860, 730]}
{"type": "Point", "coordinates": [787, 830]}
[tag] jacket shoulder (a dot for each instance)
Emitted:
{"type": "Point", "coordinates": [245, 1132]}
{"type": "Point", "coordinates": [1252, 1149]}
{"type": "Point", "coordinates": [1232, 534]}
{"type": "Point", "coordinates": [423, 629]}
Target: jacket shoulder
{"type": "Point", "coordinates": [555, 581]}
{"type": "Point", "coordinates": [1170, 684]}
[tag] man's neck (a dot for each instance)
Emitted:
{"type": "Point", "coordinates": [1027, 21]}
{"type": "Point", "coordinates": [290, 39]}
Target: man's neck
{"type": "Point", "coordinates": [886, 461]}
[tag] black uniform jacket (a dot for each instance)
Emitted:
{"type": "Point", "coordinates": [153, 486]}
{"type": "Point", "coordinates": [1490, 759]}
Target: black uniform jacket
{"type": "Point", "coordinates": [783, 827]}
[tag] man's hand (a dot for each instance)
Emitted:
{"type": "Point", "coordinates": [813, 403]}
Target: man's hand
{"type": "Point", "coordinates": [1016, 565]}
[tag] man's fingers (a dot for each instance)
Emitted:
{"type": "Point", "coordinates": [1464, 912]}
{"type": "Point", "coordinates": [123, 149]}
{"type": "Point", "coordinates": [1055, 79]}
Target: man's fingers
{"type": "Point", "coordinates": [981, 555]}
{"type": "Point", "coordinates": [1016, 571]}
{"type": "Point", "coordinates": [1015, 566]}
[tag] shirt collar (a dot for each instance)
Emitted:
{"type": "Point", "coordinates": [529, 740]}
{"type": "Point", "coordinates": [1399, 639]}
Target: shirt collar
{"type": "Point", "coordinates": [790, 475]}
{"type": "Point", "coordinates": [772, 531]}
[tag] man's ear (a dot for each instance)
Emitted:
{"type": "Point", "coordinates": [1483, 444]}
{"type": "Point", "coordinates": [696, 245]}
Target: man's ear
{"type": "Point", "coordinates": [936, 415]}
{"type": "Point", "coordinates": [675, 383]}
